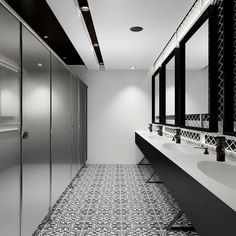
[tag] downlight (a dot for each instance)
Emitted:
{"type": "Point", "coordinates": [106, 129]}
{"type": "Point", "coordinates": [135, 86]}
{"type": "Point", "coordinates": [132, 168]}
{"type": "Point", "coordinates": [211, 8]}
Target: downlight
{"type": "Point", "coordinates": [84, 9]}
{"type": "Point", "coordinates": [136, 29]}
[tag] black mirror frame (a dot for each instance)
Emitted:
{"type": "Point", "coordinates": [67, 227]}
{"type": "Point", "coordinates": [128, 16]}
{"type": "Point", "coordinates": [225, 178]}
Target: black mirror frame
{"type": "Point", "coordinates": [229, 68]}
{"type": "Point", "coordinates": [210, 15]}
{"type": "Point", "coordinates": [161, 98]}
{"type": "Point", "coordinates": [176, 55]}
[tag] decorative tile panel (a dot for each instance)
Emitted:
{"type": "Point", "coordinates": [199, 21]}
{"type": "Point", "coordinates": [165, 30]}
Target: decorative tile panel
{"type": "Point", "coordinates": [190, 135]}
{"type": "Point", "coordinates": [169, 130]}
{"type": "Point", "coordinates": [220, 59]}
{"type": "Point", "coordinates": [210, 140]}
{"type": "Point", "coordinates": [197, 120]}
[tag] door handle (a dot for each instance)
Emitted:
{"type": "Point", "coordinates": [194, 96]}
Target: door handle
{"type": "Point", "coordinates": [25, 134]}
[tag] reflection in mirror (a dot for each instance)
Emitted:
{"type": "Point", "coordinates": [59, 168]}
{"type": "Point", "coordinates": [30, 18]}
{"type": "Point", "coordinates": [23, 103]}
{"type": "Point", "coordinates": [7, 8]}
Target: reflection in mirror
{"type": "Point", "coordinates": [157, 97]}
{"type": "Point", "coordinates": [170, 91]}
{"type": "Point", "coordinates": [9, 73]}
{"type": "Point", "coordinates": [196, 79]}
{"type": "Point", "coordinates": [9, 124]}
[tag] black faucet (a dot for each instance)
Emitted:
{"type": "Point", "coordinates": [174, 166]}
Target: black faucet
{"type": "Point", "coordinates": [177, 137]}
{"type": "Point", "coordinates": [150, 127]}
{"type": "Point", "coordinates": [160, 130]}
{"type": "Point", "coordinates": [220, 148]}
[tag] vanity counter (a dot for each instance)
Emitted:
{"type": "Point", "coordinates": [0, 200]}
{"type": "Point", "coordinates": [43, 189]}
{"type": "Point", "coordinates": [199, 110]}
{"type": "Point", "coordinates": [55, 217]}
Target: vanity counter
{"type": "Point", "coordinates": [190, 164]}
{"type": "Point", "coordinates": [205, 193]}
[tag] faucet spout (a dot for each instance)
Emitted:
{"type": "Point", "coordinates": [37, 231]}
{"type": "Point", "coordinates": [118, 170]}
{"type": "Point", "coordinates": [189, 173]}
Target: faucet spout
{"type": "Point", "coordinates": [220, 148]}
{"type": "Point", "coordinates": [177, 136]}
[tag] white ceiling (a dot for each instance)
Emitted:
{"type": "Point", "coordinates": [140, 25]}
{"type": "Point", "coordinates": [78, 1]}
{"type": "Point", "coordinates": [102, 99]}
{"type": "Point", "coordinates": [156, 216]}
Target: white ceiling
{"type": "Point", "coordinates": [112, 19]}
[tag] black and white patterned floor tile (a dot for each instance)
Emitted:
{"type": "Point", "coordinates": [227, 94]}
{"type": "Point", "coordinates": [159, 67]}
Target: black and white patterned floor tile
{"type": "Point", "coordinates": [114, 200]}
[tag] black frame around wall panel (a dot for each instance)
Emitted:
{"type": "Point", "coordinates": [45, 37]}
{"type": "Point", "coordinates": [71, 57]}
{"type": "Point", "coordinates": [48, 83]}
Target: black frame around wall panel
{"type": "Point", "coordinates": [229, 67]}
{"type": "Point", "coordinates": [209, 14]}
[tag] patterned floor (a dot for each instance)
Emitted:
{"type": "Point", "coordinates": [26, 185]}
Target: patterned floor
{"type": "Point", "coordinates": [114, 200]}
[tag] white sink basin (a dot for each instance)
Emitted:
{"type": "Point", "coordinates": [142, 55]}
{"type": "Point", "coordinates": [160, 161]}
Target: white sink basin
{"type": "Point", "coordinates": [184, 149]}
{"type": "Point", "coordinates": [220, 172]}
{"type": "Point", "coordinates": [155, 137]}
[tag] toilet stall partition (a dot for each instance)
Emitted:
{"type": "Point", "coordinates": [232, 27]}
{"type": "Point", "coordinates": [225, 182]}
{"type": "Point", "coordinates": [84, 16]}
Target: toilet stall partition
{"type": "Point", "coordinates": [42, 140]}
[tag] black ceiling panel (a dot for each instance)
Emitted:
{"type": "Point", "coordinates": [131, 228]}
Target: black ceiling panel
{"type": "Point", "coordinates": [91, 30]}
{"type": "Point", "coordinates": [38, 15]}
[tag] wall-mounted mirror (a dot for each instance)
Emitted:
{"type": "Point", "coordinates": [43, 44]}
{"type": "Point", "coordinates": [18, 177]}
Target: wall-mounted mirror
{"type": "Point", "coordinates": [169, 66]}
{"type": "Point", "coordinates": [197, 75]}
{"type": "Point", "coordinates": [156, 79]}
{"type": "Point", "coordinates": [171, 88]}
{"type": "Point", "coordinates": [196, 79]}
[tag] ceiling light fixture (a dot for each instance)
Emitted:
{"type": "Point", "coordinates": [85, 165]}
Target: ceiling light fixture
{"type": "Point", "coordinates": [132, 67]}
{"type": "Point", "coordinates": [136, 28]}
{"type": "Point", "coordinates": [39, 64]}
{"type": "Point", "coordinates": [45, 37]}
{"type": "Point", "coordinates": [84, 8]}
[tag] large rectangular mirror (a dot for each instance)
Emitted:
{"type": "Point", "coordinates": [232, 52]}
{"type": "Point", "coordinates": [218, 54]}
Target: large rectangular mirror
{"type": "Point", "coordinates": [156, 78]}
{"type": "Point", "coordinates": [198, 87]}
{"type": "Point", "coordinates": [171, 89]}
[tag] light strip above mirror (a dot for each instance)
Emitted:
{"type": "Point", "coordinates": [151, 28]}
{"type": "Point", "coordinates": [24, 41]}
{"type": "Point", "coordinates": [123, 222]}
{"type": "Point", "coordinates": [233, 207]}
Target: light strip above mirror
{"type": "Point", "coordinates": [192, 16]}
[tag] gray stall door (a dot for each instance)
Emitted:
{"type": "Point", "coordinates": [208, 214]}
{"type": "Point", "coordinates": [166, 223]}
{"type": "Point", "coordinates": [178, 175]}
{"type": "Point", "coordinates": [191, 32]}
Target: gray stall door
{"type": "Point", "coordinates": [35, 121]}
{"type": "Point", "coordinates": [75, 127]}
{"type": "Point", "coordinates": [82, 124]}
{"type": "Point", "coordinates": [61, 128]}
{"type": "Point", "coordinates": [9, 124]}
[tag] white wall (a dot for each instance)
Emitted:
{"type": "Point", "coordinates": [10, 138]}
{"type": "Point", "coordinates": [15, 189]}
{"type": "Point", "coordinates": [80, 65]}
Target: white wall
{"type": "Point", "coordinates": [119, 102]}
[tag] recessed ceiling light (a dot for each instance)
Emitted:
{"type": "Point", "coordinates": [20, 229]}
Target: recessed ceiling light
{"type": "Point", "coordinates": [132, 67]}
{"type": "Point", "coordinates": [45, 37]}
{"type": "Point", "coordinates": [85, 8]}
{"type": "Point", "coordinates": [136, 28]}
{"type": "Point", "coordinates": [39, 64]}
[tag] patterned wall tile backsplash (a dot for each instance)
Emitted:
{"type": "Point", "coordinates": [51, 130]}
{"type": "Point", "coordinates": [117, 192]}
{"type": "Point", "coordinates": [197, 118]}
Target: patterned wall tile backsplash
{"type": "Point", "coordinates": [203, 138]}
{"type": "Point", "coordinates": [230, 142]}
{"type": "Point", "coordinates": [197, 120]}
{"type": "Point", "coordinates": [169, 130]}
{"type": "Point", "coordinates": [190, 135]}
{"type": "Point", "coordinates": [220, 59]}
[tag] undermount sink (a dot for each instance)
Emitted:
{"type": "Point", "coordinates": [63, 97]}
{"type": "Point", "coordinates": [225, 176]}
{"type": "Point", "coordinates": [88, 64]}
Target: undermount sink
{"type": "Point", "coordinates": [220, 172]}
{"type": "Point", "coordinates": [184, 149]}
